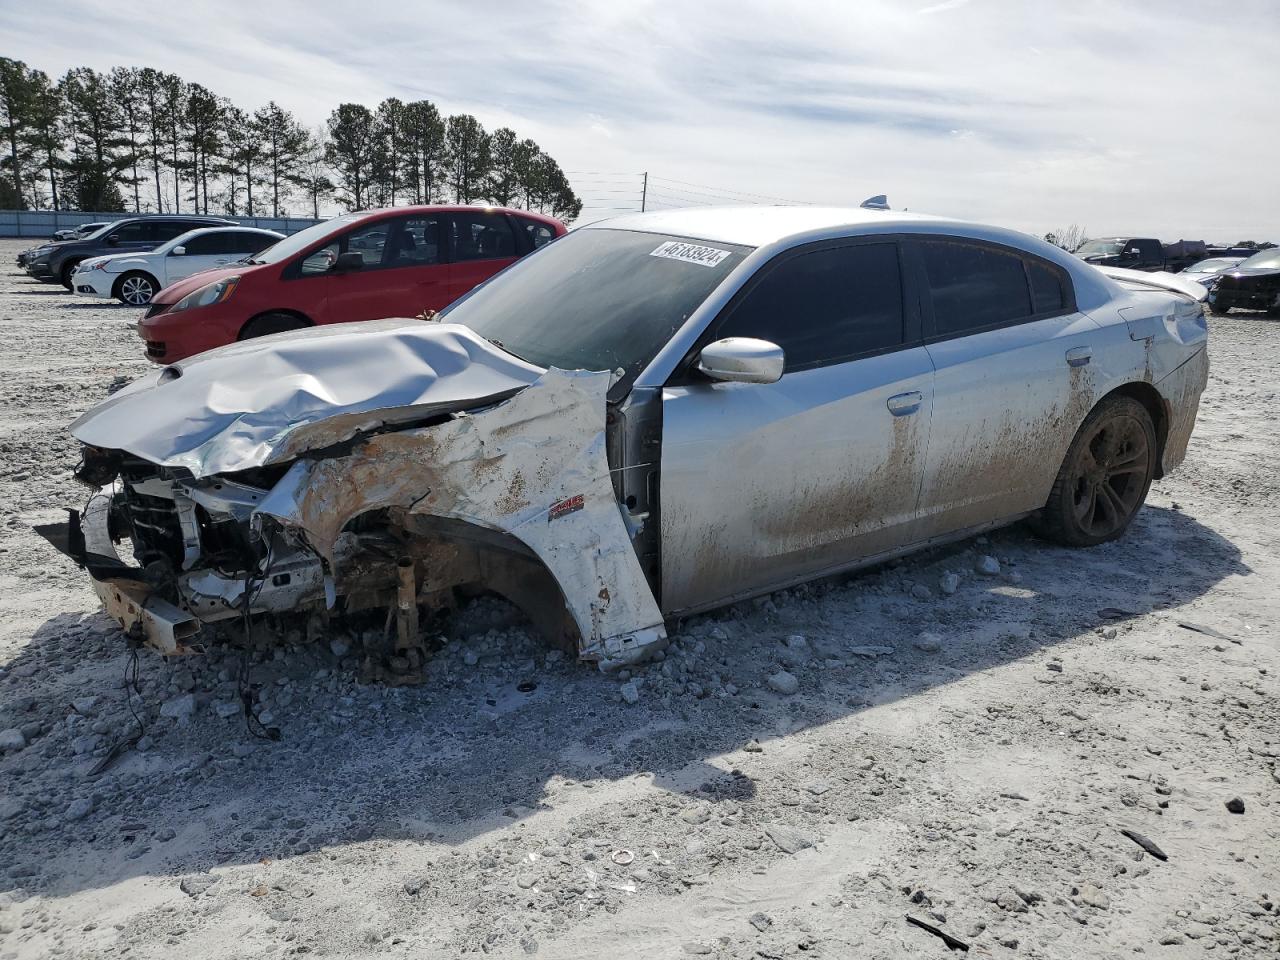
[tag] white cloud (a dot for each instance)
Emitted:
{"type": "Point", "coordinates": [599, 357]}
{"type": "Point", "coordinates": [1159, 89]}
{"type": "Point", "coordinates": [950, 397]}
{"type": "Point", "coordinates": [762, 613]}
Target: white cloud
{"type": "Point", "coordinates": [1150, 118]}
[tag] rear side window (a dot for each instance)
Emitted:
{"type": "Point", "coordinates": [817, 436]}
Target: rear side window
{"type": "Point", "coordinates": [1047, 294]}
{"type": "Point", "coordinates": [252, 242]}
{"type": "Point", "coordinates": [826, 305]}
{"type": "Point", "coordinates": [539, 233]}
{"type": "Point", "coordinates": [973, 286]}
{"type": "Point", "coordinates": [168, 229]}
{"type": "Point", "coordinates": [210, 243]}
{"type": "Point", "coordinates": [481, 236]}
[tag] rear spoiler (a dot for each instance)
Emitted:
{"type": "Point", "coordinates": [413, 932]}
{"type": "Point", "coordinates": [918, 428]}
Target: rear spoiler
{"type": "Point", "coordinates": [1170, 282]}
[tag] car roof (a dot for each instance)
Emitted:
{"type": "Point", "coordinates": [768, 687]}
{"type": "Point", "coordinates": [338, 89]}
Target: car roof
{"type": "Point", "coordinates": [448, 208]}
{"type": "Point", "coordinates": [757, 226]}
{"type": "Point", "coordinates": [224, 227]}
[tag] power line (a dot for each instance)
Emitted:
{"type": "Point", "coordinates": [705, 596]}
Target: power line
{"type": "Point", "coordinates": [725, 191]}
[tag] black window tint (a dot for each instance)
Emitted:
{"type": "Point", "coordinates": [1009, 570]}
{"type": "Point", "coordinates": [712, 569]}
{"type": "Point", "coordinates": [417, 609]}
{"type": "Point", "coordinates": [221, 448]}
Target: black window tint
{"type": "Point", "coordinates": [207, 244]}
{"type": "Point", "coordinates": [139, 232]}
{"type": "Point", "coordinates": [1047, 294]}
{"type": "Point", "coordinates": [481, 236]}
{"type": "Point", "coordinates": [168, 229]}
{"type": "Point", "coordinates": [825, 305]}
{"type": "Point", "coordinates": [252, 242]}
{"type": "Point", "coordinates": [974, 286]}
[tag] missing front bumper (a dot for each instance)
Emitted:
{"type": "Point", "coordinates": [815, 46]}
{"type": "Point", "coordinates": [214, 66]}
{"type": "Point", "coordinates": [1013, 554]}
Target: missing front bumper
{"type": "Point", "coordinates": [127, 598]}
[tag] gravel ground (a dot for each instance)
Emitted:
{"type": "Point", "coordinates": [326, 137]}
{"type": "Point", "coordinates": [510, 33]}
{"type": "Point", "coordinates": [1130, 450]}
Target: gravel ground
{"type": "Point", "coordinates": [962, 748]}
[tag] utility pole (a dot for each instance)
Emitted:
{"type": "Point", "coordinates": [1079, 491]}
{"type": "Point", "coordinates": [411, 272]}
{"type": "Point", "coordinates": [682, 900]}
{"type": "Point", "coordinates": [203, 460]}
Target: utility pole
{"type": "Point", "coordinates": [644, 190]}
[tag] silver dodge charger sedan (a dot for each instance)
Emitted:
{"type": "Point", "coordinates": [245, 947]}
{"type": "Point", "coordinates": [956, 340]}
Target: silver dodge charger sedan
{"type": "Point", "coordinates": [655, 415]}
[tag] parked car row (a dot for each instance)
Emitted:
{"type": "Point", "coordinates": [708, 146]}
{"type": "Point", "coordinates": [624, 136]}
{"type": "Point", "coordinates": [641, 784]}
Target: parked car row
{"type": "Point", "coordinates": [208, 281]}
{"type": "Point", "coordinates": [55, 262]}
{"type": "Point", "coordinates": [398, 262]}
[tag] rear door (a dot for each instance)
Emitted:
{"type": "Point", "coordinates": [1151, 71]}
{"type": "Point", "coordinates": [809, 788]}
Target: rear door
{"type": "Point", "coordinates": [766, 484]}
{"type": "Point", "coordinates": [403, 274]}
{"type": "Point", "coordinates": [480, 244]}
{"type": "Point", "coordinates": [1013, 380]}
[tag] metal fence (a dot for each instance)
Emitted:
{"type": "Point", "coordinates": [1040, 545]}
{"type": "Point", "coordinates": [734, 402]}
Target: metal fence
{"type": "Point", "coordinates": [41, 224]}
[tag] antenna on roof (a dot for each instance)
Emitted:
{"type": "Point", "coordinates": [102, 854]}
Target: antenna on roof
{"type": "Point", "coordinates": [878, 202]}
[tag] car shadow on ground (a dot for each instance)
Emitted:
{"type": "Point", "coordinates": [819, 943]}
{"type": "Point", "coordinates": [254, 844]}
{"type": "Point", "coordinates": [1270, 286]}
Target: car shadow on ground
{"type": "Point", "coordinates": [455, 759]}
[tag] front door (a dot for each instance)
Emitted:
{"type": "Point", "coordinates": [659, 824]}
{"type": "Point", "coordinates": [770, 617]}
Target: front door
{"type": "Point", "coordinates": [766, 484]}
{"type": "Point", "coordinates": [1013, 381]}
{"type": "Point", "coordinates": [403, 274]}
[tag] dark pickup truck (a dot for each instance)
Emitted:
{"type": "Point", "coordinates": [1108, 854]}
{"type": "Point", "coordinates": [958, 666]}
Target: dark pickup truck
{"type": "Point", "coordinates": [1142, 253]}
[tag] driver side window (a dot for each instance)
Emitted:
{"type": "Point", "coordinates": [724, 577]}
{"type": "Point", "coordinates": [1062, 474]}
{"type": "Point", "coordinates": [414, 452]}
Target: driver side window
{"type": "Point", "coordinates": [825, 306]}
{"type": "Point", "coordinates": [370, 241]}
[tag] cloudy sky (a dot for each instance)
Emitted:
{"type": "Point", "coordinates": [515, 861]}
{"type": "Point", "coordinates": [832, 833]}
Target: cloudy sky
{"type": "Point", "coordinates": [1122, 116]}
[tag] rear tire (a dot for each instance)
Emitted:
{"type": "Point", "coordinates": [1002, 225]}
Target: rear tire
{"type": "Point", "coordinates": [136, 289]}
{"type": "Point", "coordinates": [270, 323]}
{"type": "Point", "coordinates": [1105, 477]}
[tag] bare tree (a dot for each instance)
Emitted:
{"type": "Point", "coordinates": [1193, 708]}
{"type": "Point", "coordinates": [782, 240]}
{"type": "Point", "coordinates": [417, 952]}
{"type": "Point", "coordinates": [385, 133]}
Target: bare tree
{"type": "Point", "coordinates": [1068, 238]}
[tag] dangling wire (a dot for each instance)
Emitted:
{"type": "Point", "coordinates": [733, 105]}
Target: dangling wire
{"type": "Point", "coordinates": [253, 584]}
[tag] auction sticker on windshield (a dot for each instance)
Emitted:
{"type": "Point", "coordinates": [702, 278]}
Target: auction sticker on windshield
{"type": "Point", "coordinates": [690, 253]}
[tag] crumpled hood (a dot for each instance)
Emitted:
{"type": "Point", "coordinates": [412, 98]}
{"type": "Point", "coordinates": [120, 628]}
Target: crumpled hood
{"type": "Point", "coordinates": [270, 399]}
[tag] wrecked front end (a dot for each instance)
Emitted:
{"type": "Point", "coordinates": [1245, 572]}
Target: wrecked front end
{"type": "Point", "coordinates": [315, 501]}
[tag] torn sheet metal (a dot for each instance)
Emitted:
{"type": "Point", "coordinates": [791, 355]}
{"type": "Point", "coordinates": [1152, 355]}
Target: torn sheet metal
{"type": "Point", "coordinates": [533, 467]}
{"type": "Point", "coordinates": [268, 400]}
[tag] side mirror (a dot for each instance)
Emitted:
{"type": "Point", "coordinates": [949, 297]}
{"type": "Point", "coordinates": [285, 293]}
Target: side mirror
{"type": "Point", "coordinates": [113, 240]}
{"type": "Point", "coordinates": [178, 252]}
{"type": "Point", "coordinates": [351, 260]}
{"type": "Point", "coordinates": [742, 360]}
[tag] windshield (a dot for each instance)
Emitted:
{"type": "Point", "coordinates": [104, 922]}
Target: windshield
{"type": "Point", "coordinates": [1099, 248]}
{"type": "Point", "coordinates": [1264, 259]}
{"type": "Point", "coordinates": [299, 241]}
{"type": "Point", "coordinates": [99, 232]}
{"type": "Point", "coordinates": [597, 299]}
{"type": "Point", "coordinates": [1212, 265]}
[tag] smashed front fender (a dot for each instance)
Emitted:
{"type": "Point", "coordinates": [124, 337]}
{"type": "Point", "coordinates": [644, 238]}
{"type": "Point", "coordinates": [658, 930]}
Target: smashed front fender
{"type": "Point", "coordinates": [533, 467]}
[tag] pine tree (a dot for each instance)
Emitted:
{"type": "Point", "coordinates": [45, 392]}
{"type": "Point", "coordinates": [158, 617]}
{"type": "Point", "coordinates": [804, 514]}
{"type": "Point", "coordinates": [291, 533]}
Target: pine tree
{"type": "Point", "coordinates": [424, 149]}
{"type": "Point", "coordinates": [350, 152]}
{"type": "Point", "coordinates": [284, 148]}
{"type": "Point", "coordinates": [468, 159]}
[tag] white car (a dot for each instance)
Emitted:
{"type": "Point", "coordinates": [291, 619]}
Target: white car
{"type": "Point", "coordinates": [134, 278]}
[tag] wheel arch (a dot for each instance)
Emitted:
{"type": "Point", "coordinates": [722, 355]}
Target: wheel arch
{"type": "Point", "coordinates": [282, 311]}
{"type": "Point", "coordinates": [453, 554]}
{"type": "Point", "coordinates": [119, 281]}
{"type": "Point", "coordinates": [1156, 405]}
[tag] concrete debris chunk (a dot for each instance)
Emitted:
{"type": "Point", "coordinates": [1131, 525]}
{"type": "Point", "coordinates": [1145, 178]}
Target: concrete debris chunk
{"type": "Point", "coordinates": [1092, 896]}
{"type": "Point", "coordinates": [194, 886]}
{"type": "Point", "coordinates": [787, 839]}
{"type": "Point", "coordinates": [784, 683]}
{"type": "Point", "coordinates": [929, 642]}
{"type": "Point", "coordinates": [79, 809]}
{"type": "Point", "coordinates": [949, 583]}
{"type": "Point", "coordinates": [179, 708]}
{"type": "Point", "coordinates": [12, 739]}
{"type": "Point", "coordinates": [988, 566]}
{"type": "Point", "coordinates": [630, 692]}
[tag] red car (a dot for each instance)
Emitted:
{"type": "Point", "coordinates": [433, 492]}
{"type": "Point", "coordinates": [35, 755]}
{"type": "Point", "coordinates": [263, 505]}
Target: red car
{"type": "Point", "coordinates": [363, 266]}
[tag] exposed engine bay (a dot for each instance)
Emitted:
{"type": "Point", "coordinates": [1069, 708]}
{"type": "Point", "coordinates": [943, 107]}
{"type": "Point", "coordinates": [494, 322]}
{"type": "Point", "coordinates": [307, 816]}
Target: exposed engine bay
{"type": "Point", "coordinates": [369, 510]}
